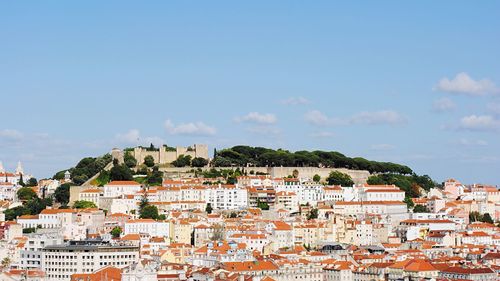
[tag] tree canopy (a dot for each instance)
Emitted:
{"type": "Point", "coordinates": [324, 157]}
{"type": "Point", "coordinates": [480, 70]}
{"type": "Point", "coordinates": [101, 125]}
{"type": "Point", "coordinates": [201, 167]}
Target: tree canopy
{"type": "Point", "coordinates": [85, 169]}
{"type": "Point", "coordinates": [82, 204]}
{"type": "Point", "coordinates": [338, 178]}
{"type": "Point", "coordinates": [61, 195]}
{"type": "Point", "coordinates": [149, 161]}
{"type": "Point", "coordinates": [199, 162]}
{"type": "Point", "coordinates": [182, 161]}
{"type": "Point", "coordinates": [259, 156]}
{"type": "Point", "coordinates": [149, 212]}
{"type": "Point", "coordinates": [26, 193]}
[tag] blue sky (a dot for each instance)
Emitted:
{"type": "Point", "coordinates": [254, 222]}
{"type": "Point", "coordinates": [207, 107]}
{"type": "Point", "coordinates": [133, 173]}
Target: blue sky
{"type": "Point", "coordinates": [411, 83]}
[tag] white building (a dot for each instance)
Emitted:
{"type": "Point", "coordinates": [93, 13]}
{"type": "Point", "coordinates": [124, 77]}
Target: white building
{"type": "Point", "coordinates": [227, 197]}
{"type": "Point", "coordinates": [118, 188]}
{"type": "Point", "coordinates": [61, 261]}
{"type": "Point", "coordinates": [149, 226]}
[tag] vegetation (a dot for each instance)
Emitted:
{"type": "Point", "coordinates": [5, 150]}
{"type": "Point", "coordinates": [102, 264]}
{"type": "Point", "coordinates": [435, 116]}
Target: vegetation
{"type": "Point", "coordinates": [262, 205]}
{"type": "Point", "coordinates": [409, 202]}
{"type": "Point", "coordinates": [411, 184]}
{"type": "Point", "coordinates": [149, 161]}
{"type": "Point", "coordinates": [103, 178]}
{"type": "Point", "coordinates": [338, 178]}
{"type": "Point", "coordinates": [229, 175]}
{"type": "Point", "coordinates": [116, 232]}
{"type": "Point", "coordinates": [421, 209]}
{"type": "Point", "coordinates": [259, 156]}
{"type": "Point", "coordinates": [6, 262]}
{"type": "Point", "coordinates": [313, 214]}
{"type": "Point", "coordinates": [316, 178]}
{"type": "Point", "coordinates": [29, 230]}
{"type": "Point", "coordinates": [61, 195]}
{"type": "Point", "coordinates": [26, 193]}
{"type": "Point", "coordinates": [199, 162]}
{"type": "Point", "coordinates": [476, 216]}
{"type": "Point", "coordinates": [155, 177]}
{"type": "Point", "coordinates": [182, 161]}
{"type": "Point", "coordinates": [120, 172]}
{"type": "Point", "coordinates": [82, 204]}
{"type": "Point", "coordinates": [209, 208]}
{"type": "Point", "coordinates": [32, 206]}
{"type": "Point", "coordinates": [129, 160]}
{"type": "Point", "coordinates": [85, 169]}
{"type": "Point", "coordinates": [32, 182]}
{"type": "Point", "coordinates": [149, 212]}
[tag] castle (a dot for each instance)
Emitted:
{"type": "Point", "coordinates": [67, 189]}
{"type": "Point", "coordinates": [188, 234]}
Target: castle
{"type": "Point", "coordinates": [166, 155]}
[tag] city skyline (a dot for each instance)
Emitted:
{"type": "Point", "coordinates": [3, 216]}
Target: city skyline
{"type": "Point", "coordinates": [415, 84]}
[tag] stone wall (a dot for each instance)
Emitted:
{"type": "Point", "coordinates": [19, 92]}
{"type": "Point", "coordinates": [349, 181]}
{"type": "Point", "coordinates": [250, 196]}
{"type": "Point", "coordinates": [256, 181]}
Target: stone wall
{"type": "Point", "coordinates": [358, 176]}
{"type": "Point", "coordinates": [162, 156]}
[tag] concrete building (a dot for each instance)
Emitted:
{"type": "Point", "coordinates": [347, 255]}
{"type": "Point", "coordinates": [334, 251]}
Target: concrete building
{"type": "Point", "coordinates": [61, 261]}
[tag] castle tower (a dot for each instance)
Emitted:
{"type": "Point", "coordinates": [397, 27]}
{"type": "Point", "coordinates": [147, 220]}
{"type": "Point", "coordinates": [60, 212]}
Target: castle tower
{"type": "Point", "coordinates": [2, 170]}
{"type": "Point", "coordinates": [19, 169]}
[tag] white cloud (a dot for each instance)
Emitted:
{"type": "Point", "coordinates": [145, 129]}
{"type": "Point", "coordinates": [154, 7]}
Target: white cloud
{"type": "Point", "coordinates": [259, 118]}
{"type": "Point", "coordinates": [494, 108]}
{"type": "Point", "coordinates": [10, 134]}
{"type": "Point", "coordinates": [389, 117]}
{"type": "Point", "coordinates": [467, 142]}
{"type": "Point", "coordinates": [133, 136]}
{"type": "Point", "coordinates": [322, 134]}
{"type": "Point", "coordinates": [317, 118]}
{"type": "Point", "coordinates": [479, 123]}
{"type": "Point", "coordinates": [383, 117]}
{"type": "Point", "coordinates": [382, 147]}
{"type": "Point", "coordinates": [464, 84]}
{"type": "Point", "coordinates": [192, 129]}
{"type": "Point", "coordinates": [443, 105]}
{"type": "Point", "coordinates": [295, 101]}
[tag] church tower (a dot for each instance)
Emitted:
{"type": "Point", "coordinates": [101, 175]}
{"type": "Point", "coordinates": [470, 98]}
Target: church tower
{"type": "Point", "coordinates": [19, 169]}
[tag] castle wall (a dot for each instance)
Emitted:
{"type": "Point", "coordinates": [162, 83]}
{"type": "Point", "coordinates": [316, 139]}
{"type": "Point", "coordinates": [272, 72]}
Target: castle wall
{"type": "Point", "coordinates": [162, 156]}
{"type": "Point", "coordinates": [358, 176]}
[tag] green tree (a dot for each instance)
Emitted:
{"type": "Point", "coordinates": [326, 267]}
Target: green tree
{"type": "Point", "coordinates": [14, 213]}
{"type": "Point", "coordinates": [129, 160]}
{"type": "Point", "coordinates": [155, 178]}
{"type": "Point", "coordinates": [487, 218]}
{"type": "Point", "coordinates": [474, 216]}
{"type": "Point", "coordinates": [21, 181]}
{"type": "Point", "coordinates": [262, 205]}
{"type": "Point", "coordinates": [182, 161]}
{"type": "Point", "coordinates": [316, 178]}
{"type": "Point", "coordinates": [116, 232]}
{"type": "Point", "coordinates": [338, 178]}
{"type": "Point", "coordinates": [121, 173]}
{"type": "Point", "coordinates": [209, 208]}
{"type": "Point", "coordinates": [6, 262]}
{"type": "Point", "coordinates": [199, 162]}
{"type": "Point", "coordinates": [421, 209]}
{"type": "Point", "coordinates": [82, 204]}
{"type": "Point", "coordinates": [37, 205]}
{"type": "Point", "coordinates": [313, 214]}
{"type": "Point", "coordinates": [62, 194]}
{"type": "Point", "coordinates": [409, 202]}
{"type": "Point", "coordinates": [32, 182]}
{"type": "Point", "coordinates": [149, 161]}
{"type": "Point", "coordinates": [149, 212]}
{"type": "Point", "coordinates": [233, 215]}
{"type": "Point", "coordinates": [26, 193]}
